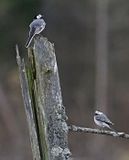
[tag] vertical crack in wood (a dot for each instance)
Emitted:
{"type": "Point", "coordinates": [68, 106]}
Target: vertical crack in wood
{"type": "Point", "coordinates": [28, 107]}
{"type": "Point", "coordinates": [52, 112]}
{"type": "Point", "coordinates": [46, 114]}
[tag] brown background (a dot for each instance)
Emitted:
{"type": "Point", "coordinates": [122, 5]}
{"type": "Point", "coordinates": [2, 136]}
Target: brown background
{"type": "Point", "coordinates": [92, 46]}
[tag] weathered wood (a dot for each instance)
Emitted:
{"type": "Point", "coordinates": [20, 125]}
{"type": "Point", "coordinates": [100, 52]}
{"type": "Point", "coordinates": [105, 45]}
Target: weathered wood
{"type": "Point", "coordinates": [45, 94]}
{"type": "Point", "coordinates": [28, 107]}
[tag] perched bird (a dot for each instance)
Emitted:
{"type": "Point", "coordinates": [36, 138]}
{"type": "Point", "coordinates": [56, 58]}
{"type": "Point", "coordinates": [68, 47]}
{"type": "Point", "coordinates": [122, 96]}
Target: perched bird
{"type": "Point", "coordinates": [102, 120]}
{"type": "Point", "coordinates": [36, 27]}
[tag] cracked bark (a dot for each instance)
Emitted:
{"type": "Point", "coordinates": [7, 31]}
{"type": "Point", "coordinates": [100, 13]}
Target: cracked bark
{"type": "Point", "coordinates": [45, 113]}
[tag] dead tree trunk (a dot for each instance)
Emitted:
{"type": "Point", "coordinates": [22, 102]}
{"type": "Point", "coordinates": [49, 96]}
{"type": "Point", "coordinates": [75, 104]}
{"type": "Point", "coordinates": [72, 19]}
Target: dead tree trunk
{"type": "Point", "coordinates": [43, 102]}
{"type": "Point", "coordinates": [101, 54]}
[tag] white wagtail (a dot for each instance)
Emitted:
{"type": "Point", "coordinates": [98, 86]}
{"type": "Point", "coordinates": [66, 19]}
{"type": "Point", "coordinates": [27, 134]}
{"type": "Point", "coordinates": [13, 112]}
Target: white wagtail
{"type": "Point", "coordinates": [102, 120]}
{"type": "Point", "coordinates": [36, 27]}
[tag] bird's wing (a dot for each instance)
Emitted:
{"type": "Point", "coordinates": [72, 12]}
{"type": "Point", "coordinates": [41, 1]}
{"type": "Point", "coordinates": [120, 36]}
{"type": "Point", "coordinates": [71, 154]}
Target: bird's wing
{"type": "Point", "coordinates": [38, 25]}
{"type": "Point", "coordinates": [103, 118]}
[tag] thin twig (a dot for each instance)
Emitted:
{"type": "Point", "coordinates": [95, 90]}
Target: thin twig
{"type": "Point", "coordinates": [74, 128]}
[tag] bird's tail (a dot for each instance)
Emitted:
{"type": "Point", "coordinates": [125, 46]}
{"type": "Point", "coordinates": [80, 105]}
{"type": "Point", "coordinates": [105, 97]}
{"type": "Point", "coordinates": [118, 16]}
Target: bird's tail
{"type": "Point", "coordinates": [29, 40]}
{"type": "Point", "coordinates": [112, 129]}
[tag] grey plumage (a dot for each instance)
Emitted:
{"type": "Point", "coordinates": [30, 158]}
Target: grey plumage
{"type": "Point", "coordinates": [102, 120]}
{"type": "Point", "coordinates": [36, 27]}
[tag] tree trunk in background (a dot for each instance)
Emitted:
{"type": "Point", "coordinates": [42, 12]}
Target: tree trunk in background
{"type": "Point", "coordinates": [101, 66]}
{"type": "Point", "coordinates": [101, 54]}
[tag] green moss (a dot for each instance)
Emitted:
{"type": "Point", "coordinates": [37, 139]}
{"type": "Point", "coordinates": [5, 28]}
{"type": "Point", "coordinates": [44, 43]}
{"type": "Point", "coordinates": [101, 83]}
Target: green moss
{"type": "Point", "coordinates": [37, 105]}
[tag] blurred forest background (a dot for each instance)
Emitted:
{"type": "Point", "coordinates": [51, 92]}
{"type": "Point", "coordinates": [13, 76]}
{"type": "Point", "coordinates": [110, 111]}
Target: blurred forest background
{"type": "Point", "coordinates": [91, 39]}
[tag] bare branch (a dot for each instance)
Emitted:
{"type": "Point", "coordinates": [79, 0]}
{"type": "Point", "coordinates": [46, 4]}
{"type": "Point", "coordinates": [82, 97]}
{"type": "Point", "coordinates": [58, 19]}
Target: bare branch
{"type": "Point", "coordinates": [74, 128]}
